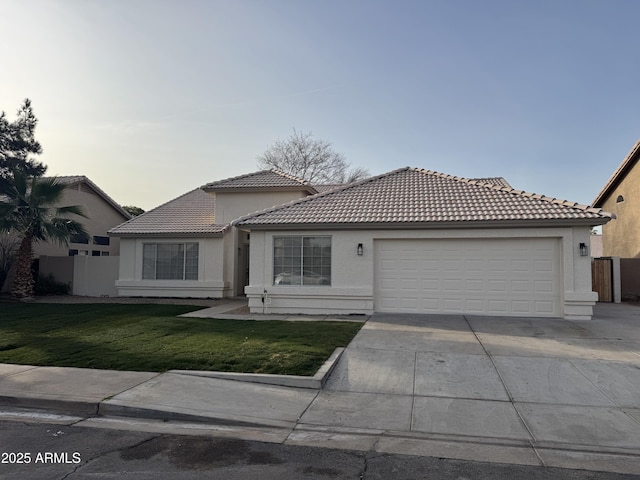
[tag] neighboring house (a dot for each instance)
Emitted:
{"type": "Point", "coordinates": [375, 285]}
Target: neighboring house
{"type": "Point", "coordinates": [418, 241]}
{"type": "Point", "coordinates": [187, 248]}
{"type": "Point", "coordinates": [621, 196]}
{"type": "Point", "coordinates": [102, 213]}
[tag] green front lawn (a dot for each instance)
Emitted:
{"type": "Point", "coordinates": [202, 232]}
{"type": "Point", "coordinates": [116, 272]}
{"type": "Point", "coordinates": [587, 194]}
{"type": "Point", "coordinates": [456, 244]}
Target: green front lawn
{"type": "Point", "coordinates": [152, 338]}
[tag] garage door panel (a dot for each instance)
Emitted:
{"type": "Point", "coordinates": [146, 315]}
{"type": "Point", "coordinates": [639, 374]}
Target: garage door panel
{"type": "Point", "coordinates": [543, 266]}
{"type": "Point", "coordinates": [521, 266]}
{"type": "Point", "coordinates": [452, 285]}
{"type": "Point", "coordinates": [543, 286]}
{"type": "Point", "coordinates": [521, 306]}
{"type": "Point", "coordinates": [474, 266]}
{"type": "Point", "coordinates": [496, 286]}
{"type": "Point", "coordinates": [497, 307]}
{"type": "Point", "coordinates": [474, 305]}
{"type": "Point", "coordinates": [474, 285]}
{"type": "Point", "coordinates": [520, 286]}
{"type": "Point", "coordinates": [495, 265]}
{"type": "Point", "coordinates": [491, 276]}
{"type": "Point", "coordinates": [544, 308]}
{"type": "Point", "coordinates": [388, 283]}
{"type": "Point", "coordinates": [430, 285]}
{"type": "Point", "coordinates": [407, 284]}
{"type": "Point", "coordinates": [431, 304]}
{"type": "Point", "coordinates": [452, 304]}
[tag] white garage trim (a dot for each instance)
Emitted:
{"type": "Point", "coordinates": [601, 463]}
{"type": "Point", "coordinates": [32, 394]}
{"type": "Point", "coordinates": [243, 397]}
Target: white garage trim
{"type": "Point", "coordinates": [485, 276]}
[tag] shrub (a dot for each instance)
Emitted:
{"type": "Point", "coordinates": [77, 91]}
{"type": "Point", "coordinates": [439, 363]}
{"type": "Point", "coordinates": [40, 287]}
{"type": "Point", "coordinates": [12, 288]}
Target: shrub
{"type": "Point", "coordinates": [50, 286]}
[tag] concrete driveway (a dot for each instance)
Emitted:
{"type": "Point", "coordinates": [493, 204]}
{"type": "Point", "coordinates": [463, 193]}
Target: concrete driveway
{"type": "Point", "coordinates": [549, 384]}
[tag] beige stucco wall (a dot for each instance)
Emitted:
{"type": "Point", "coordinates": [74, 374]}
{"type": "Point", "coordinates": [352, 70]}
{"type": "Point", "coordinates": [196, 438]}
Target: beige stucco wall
{"type": "Point", "coordinates": [233, 205]}
{"type": "Point", "coordinates": [102, 217]}
{"type": "Point", "coordinates": [621, 237]}
{"type": "Point", "coordinates": [95, 276]}
{"type": "Point", "coordinates": [352, 289]}
{"type": "Point", "coordinates": [213, 276]}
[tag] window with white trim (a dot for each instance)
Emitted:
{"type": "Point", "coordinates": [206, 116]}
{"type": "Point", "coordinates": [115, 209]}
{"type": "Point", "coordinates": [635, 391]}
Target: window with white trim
{"type": "Point", "coordinates": [301, 260]}
{"type": "Point", "coordinates": [170, 261]}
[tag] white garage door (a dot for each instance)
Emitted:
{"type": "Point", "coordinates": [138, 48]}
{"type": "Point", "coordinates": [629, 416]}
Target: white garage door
{"type": "Point", "coordinates": [519, 277]}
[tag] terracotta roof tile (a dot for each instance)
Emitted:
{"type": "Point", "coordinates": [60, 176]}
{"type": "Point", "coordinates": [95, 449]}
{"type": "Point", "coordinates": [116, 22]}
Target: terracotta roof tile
{"type": "Point", "coordinates": [269, 179]}
{"type": "Point", "coordinates": [498, 181]}
{"type": "Point", "coordinates": [327, 187]}
{"type": "Point", "coordinates": [417, 196]}
{"type": "Point", "coordinates": [191, 213]}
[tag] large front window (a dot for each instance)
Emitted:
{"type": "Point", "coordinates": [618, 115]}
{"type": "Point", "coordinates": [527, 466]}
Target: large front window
{"type": "Point", "coordinates": [170, 261]}
{"type": "Point", "coordinates": [299, 260]}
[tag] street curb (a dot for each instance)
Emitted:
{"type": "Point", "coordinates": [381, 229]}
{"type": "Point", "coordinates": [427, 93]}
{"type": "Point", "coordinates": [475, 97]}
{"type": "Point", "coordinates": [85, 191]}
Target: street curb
{"type": "Point", "coordinates": [111, 410]}
{"type": "Point", "coordinates": [58, 405]}
{"type": "Point", "coordinates": [316, 382]}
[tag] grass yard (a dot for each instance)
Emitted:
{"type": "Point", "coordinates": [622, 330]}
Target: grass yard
{"type": "Point", "coordinates": [151, 338]}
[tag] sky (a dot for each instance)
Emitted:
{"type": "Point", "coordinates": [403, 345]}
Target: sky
{"type": "Point", "coordinates": [152, 98]}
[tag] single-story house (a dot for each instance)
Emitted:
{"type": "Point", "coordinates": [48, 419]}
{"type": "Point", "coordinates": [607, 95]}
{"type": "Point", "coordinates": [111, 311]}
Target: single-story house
{"type": "Point", "coordinates": [410, 240]}
{"type": "Point", "coordinates": [419, 241]}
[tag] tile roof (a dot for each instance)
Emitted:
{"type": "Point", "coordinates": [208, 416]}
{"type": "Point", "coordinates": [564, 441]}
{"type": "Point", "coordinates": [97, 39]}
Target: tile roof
{"type": "Point", "coordinates": [422, 197]}
{"type": "Point", "coordinates": [499, 181]}
{"type": "Point", "coordinates": [326, 187]}
{"type": "Point", "coordinates": [265, 179]}
{"type": "Point", "coordinates": [191, 213]}
{"type": "Point", "coordinates": [627, 164]}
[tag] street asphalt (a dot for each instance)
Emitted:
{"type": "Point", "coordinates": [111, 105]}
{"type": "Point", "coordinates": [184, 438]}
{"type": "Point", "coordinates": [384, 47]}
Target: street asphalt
{"type": "Point", "coordinates": [522, 391]}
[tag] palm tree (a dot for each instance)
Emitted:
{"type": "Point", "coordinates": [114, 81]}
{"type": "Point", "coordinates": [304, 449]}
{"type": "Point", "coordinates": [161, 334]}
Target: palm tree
{"type": "Point", "coordinates": [28, 208]}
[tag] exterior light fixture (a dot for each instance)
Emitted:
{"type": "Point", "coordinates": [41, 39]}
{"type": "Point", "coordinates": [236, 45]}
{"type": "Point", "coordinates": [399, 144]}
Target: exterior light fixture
{"type": "Point", "coordinates": [584, 250]}
{"type": "Point", "coordinates": [360, 250]}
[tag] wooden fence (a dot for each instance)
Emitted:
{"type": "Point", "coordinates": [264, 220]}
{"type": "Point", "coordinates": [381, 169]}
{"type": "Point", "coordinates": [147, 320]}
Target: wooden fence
{"type": "Point", "coordinates": [602, 278]}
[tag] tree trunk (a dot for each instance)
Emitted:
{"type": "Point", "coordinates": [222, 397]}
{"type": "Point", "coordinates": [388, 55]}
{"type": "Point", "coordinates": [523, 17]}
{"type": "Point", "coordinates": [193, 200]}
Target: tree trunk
{"type": "Point", "coordinates": [23, 283]}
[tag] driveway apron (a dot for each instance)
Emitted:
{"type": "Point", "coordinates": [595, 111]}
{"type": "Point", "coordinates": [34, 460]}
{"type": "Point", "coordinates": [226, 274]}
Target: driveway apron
{"type": "Point", "coordinates": [534, 381]}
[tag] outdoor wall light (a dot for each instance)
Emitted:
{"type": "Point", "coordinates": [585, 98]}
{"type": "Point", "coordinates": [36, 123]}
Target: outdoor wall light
{"type": "Point", "coordinates": [584, 250]}
{"type": "Point", "coordinates": [360, 250]}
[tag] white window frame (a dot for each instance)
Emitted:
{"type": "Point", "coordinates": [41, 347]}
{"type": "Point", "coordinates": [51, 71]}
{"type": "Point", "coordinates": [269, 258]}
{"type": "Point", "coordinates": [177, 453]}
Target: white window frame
{"type": "Point", "coordinates": [285, 271]}
{"type": "Point", "coordinates": [150, 253]}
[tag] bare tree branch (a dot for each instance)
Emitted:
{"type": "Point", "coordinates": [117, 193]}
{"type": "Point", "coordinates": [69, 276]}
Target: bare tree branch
{"type": "Point", "coordinates": [309, 158]}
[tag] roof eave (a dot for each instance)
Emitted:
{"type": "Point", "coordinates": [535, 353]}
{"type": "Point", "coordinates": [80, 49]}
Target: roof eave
{"type": "Point", "coordinates": [168, 234]}
{"type": "Point", "coordinates": [627, 164]}
{"type": "Point", "coordinates": [291, 188]}
{"type": "Point", "coordinates": [589, 222]}
{"type": "Point", "coordinates": [102, 194]}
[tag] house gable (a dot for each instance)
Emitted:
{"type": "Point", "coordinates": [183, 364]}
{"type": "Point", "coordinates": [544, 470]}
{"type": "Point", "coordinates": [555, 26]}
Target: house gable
{"type": "Point", "coordinates": [83, 184]}
{"type": "Point", "coordinates": [103, 213]}
{"type": "Point", "coordinates": [238, 196]}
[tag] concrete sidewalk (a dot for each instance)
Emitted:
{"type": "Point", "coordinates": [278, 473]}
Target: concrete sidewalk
{"type": "Point", "coordinates": [523, 391]}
